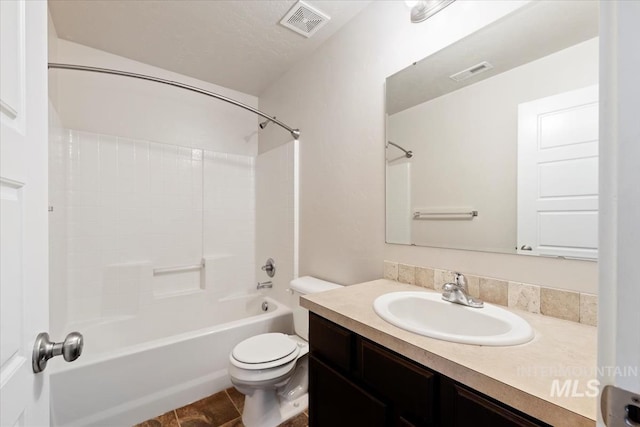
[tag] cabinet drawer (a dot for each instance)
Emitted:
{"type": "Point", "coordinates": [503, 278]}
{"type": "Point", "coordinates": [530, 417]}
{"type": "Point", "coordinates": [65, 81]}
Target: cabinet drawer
{"type": "Point", "coordinates": [409, 386]}
{"type": "Point", "coordinates": [331, 342]}
{"type": "Point", "coordinates": [463, 407]}
{"type": "Point", "coordinates": [336, 401]}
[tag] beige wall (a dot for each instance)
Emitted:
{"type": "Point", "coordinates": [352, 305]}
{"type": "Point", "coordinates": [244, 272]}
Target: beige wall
{"type": "Point", "coordinates": [57, 222]}
{"type": "Point", "coordinates": [465, 148]}
{"type": "Point", "coordinates": [276, 219]}
{"type": "Point", "coordinates": [52, 50]}
{"type": "Point", "coordinates": [136, 109]}
{"type": "Point", "coordinates": [336, 97]}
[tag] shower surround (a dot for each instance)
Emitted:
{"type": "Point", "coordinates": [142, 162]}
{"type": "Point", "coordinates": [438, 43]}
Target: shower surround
{"type": "Point", "coordinates": [130, 207]}
{"type": "Point", "coordinates": [123, 210]}
{"type": "Point", "coordinates": [146, 177]}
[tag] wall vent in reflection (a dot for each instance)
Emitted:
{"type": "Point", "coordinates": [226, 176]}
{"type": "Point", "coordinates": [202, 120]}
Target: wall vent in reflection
{"type": "Point", "coordinates": [471, 71]}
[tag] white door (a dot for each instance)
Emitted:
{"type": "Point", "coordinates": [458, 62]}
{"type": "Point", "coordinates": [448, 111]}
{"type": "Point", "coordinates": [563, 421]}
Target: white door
{"type": "Point", "coordinates": [24, 396]}
{"type": "Point", "coordinates": [619, 260]}
{"type": "Point", "coordinates": [558, 175]}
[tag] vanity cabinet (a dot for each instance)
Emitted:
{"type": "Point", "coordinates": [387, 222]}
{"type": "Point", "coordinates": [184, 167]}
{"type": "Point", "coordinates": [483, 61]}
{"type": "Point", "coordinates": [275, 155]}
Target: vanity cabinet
{"type": "Point", "coordinates": [354, 381]}
{"type": "Point", "coordinates": [462, 405]}
{"type": "Point", "coordinates": [339, 401]}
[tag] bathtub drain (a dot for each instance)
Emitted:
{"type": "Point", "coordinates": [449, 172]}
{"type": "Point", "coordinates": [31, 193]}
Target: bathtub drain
{"type": "Point", "coordinates": [265, 306]}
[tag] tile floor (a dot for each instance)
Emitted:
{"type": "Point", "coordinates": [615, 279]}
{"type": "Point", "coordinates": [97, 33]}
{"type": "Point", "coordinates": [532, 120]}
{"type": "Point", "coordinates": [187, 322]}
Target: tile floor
{"type": "Point", "coordinates": [222, 409]}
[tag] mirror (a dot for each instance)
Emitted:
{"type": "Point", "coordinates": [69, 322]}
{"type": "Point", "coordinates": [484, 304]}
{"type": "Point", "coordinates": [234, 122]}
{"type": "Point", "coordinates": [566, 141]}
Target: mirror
{"type": "Point", "coordinates": [492, 142]}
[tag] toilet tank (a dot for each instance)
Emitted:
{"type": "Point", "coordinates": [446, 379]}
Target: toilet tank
{"type": "Point", "coordinates": [304, 286]}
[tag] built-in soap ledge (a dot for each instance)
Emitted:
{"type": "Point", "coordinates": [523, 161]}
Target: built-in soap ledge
{"type": "Point", "coordinates": [561, 304]}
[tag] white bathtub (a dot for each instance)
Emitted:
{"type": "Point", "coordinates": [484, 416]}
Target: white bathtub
{"type": "Point", "coordinates": [129, 373]}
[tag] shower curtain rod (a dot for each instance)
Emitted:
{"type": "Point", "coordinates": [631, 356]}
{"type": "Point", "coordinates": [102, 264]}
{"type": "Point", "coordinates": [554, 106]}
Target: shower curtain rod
{"type": "Point", "coordinates": [295, 133]}
{"type": "Point", "coordinates": [407, 153]}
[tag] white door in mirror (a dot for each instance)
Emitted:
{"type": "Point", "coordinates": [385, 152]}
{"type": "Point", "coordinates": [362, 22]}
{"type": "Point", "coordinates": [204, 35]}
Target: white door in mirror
{"type": "Point", "coordinates": [425, 313]}
{"type": "Point", "coordinates": [558, 175]}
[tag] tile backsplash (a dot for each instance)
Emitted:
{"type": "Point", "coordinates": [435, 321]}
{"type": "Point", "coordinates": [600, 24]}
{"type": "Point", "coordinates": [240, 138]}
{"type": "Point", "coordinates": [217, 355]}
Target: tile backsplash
{"type": "Point", "coordinates": [567, 305]}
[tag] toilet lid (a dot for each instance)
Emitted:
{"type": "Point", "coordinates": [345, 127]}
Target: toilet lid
{"type": "Point", "coordinates": [264, 348]}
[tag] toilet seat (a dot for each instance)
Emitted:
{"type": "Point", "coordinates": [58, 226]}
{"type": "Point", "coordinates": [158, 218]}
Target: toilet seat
{"type": "Point", "coordinates": [271, 376]}
{"type": "Point", "coordinates": [264, 351]}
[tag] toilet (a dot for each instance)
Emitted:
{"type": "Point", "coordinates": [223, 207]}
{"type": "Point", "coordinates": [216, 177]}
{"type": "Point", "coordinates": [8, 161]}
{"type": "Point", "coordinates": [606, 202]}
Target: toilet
{"type": "Point", "coordinates": [271, 369]}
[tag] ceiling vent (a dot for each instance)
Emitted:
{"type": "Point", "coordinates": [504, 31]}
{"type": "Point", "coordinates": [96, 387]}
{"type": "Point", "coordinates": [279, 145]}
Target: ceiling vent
{"type": "Point", "coordinates": [304, 19]}
{"type": "Point", "coordinates": [471, 71]}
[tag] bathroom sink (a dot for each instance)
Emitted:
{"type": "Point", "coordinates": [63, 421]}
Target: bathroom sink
{"type": "Point", "coordinates": [425, 313]}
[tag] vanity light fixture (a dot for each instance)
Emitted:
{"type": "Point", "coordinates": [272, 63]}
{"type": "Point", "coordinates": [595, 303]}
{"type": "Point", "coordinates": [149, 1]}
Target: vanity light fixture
{"type": "Point", "coordinates": [423, 9]}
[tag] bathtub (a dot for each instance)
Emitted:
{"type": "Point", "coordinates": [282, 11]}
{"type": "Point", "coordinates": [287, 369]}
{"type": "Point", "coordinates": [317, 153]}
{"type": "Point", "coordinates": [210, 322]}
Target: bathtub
{"type": "Point", "coordinates": [137, 367]}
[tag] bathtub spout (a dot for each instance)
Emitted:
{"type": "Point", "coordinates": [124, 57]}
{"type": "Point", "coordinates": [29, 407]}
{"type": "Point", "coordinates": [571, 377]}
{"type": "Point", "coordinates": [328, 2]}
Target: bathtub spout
{"type": "Point", "coordinates": [267, 284]}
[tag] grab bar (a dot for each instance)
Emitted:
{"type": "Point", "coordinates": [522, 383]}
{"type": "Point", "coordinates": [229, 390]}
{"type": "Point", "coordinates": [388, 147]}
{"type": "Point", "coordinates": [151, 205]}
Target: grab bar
{"type": "Point", "coordinates": [179, 269]}
{"type": "Point", "coordinates": [420, 215]}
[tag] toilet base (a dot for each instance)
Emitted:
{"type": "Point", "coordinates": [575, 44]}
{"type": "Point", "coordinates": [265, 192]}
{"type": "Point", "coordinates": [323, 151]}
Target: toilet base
{"type": "Point", "coordinates": [264, 408]}
{"type": "Point", "coordinates": [295, 407]}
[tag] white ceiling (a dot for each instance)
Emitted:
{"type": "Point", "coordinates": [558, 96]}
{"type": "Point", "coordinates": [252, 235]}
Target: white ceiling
{"type": "Point", "coordinates": [237, 44]}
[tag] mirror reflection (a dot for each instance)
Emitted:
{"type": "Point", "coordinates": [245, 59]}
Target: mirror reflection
{"type": "Point", "coordinates": [492, 142]}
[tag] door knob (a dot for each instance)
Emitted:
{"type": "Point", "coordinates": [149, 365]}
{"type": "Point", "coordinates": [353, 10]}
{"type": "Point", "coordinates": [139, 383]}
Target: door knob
{"type": "Point", "coordinates": [44, 349]}
{"type": "Point", "coordinates": [620, 407]}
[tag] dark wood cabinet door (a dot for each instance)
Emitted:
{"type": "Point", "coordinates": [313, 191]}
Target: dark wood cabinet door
{"type": "Point", "coordinates": [462, 407]}
{"type": "Point", "coordinates": [410, 388]}
{"type": "Point", "coordinates": [402, 422]}
{"type": "Point", "coordinates": [335, 401]}
{"type": "Point", "coordinates": [331, 343]}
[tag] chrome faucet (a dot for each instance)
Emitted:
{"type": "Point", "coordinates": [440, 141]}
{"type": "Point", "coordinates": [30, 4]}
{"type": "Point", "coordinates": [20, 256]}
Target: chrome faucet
{"type": "Point", "coordinates": [458, 293]}
{"type": "Point", "coordinates": [267, 284]}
